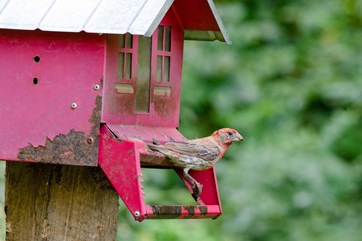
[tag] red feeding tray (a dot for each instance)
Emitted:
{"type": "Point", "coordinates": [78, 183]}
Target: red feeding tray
{"type": "Point", "coordinates": [122, 153]}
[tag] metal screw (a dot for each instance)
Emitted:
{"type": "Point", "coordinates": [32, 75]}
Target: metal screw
{"type": "Point", "coordinates": [74, 105]}
{"type": "Point", "coordinates": [137, 214]}
{"type": "Point", "coordinates": [90, 140]}
{"type": "Point", "coordinates": [97, 87]}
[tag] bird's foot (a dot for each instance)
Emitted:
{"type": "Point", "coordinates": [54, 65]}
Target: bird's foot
{"type": "Point", "coordinates": [197, 190]}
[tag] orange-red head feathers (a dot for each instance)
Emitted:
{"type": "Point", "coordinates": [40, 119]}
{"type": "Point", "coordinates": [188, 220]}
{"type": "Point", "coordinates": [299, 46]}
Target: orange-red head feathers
{"type": "Point", "coordinates": [226, 136]}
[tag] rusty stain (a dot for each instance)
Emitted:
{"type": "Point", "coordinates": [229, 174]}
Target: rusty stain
{"type": "Point", "coordinates": [166, 211]}
{"type": "Point", "coordinates": [164, 105]}
{"type": "Point", "coordinates": [127, 103]}
{"type": "Point", "coordinates": [176, 211]}
{"type": "Point", "coordinates": [101, 82]}
{"type": "Point", "coordinates": [72, 148]}
{"type": "Point", "coordinates": [203, 210]}
{"type": "Point", "coordinates": [190, 210]}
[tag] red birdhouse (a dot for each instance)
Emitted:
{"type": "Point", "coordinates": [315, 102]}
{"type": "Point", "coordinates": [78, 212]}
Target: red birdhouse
{"type": "Point", "coordinates": [92, 83]}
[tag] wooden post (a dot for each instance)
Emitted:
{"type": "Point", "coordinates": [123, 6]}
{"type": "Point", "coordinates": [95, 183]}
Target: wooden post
{"type": "Point", "coordinates": [57, 202]}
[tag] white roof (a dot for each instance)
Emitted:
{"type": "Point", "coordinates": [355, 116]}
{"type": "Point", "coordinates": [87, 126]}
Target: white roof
{"type": "Point", "coordinates": [139, 17]}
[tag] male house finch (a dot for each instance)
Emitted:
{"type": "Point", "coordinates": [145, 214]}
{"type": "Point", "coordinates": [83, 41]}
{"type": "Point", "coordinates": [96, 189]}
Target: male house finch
{"type": "Point", "coordinates": [198, 154]}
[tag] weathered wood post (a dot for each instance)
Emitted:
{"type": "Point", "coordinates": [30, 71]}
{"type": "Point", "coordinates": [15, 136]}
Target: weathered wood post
{"type": "Point", "coordinates": [59, 202]}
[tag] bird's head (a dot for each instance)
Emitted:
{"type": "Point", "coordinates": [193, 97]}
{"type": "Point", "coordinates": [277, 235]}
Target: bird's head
{"type": "Point", "coordinates": [226, 136]}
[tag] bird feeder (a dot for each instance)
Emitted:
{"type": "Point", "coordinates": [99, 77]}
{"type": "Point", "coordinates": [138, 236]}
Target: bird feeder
{"type": "Point", "coordinates": [92, 83]}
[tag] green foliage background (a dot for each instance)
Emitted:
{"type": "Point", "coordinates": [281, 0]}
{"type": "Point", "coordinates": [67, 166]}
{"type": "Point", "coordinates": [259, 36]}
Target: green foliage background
{"type": "Point", "coordinates": [291, 83]}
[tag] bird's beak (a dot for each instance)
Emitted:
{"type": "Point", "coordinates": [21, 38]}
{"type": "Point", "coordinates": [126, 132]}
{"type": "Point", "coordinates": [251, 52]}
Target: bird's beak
{"type": "Point", "coordinates": [238, 137]}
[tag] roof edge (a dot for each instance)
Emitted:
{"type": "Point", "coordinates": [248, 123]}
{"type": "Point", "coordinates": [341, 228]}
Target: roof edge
{"type": "Point", "coordinates": [164, 9]}
{"type": "Point", "coordinates": [226, 37]}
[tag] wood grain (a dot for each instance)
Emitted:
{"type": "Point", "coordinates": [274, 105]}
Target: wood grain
{"type": "Point", "coordinates": [57, 202]}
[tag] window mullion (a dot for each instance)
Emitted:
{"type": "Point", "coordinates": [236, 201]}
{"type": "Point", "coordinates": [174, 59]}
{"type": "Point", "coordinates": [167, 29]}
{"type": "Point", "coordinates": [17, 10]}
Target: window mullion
{"type": "Point", "coordinates": [162, 69]}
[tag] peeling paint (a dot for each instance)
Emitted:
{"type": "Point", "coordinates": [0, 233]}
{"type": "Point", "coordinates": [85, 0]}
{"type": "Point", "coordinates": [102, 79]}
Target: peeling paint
{"type": "Point", "coordinates": [167, 211]}
{"type": "Point", "coordinates": [203, 210]}
{"type": "Point", "coordinates": [176, 211]}
{"type": "Point", "coordinates": [190, 210]}
{"type": "Point", "coordinates": [73, 148]}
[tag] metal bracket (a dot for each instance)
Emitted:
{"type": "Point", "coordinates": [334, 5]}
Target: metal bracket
{"type": "Point", "coordinates": [121, 162]}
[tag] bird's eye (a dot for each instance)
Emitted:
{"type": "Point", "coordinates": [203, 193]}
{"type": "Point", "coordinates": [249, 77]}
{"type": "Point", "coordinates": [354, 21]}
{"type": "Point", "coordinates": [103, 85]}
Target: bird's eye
{"type": "Point", "coordinates": [230, 133]}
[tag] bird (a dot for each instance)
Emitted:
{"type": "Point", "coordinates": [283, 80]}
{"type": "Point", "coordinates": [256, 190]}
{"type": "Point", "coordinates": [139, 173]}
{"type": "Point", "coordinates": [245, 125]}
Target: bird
{"type": "Point", "coordinates": [197, 154]}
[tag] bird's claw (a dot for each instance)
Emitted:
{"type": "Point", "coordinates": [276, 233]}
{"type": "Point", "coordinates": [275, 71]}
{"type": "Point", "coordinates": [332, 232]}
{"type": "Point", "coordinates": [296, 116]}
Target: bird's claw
{"type": "Point", "coordinates": [197, 190]}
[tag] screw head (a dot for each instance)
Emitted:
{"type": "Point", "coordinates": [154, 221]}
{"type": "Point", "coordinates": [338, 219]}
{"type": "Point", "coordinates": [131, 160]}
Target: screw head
{"type": "Point", "coordinates": [97, 87]}
{"type": "Point", "coordinates": [74, 105]}
{"type": "Point", "coordinates": [90, 140]}
{"type": "Point", "coordinates": [137, 214]}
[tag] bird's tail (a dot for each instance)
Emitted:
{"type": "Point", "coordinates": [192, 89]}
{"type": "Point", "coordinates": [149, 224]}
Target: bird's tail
{"type": "Point", "coordinates": [156, 142]}
{"type": "Point", "coordinates": [155, 146]}
{"type": "Point", "coordinates": [161, 149]}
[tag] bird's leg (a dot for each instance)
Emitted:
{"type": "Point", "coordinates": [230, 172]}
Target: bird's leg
{"type": "Point", "coordinates": [197, 190]}
{"type": "Point", "coordinates": [196, 187]}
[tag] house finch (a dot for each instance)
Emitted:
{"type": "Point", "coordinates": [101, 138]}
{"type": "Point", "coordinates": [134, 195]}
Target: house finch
{"type": "Point", "coordinates": [198, 154]}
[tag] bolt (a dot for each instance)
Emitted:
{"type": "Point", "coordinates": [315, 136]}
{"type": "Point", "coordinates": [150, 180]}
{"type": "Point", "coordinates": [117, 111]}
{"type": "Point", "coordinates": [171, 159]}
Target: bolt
{"type": "Point", "coordinates": [74, 105]}
{"type": "Point", "coordinates": [90, 140]}
{"type": "Point", "coordinates": [137, 214]}
{"type": "Point", "coordinates": [97, 87]}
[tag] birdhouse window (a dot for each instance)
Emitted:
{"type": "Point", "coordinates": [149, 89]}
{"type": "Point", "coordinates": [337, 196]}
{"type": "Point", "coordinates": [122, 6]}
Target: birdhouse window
{"type": "Point", "coordinates": [125, 57]}
{"type": "Point", "coordinates": [144, 76]}
{"type": "Point", "coordinates": [163, 54]}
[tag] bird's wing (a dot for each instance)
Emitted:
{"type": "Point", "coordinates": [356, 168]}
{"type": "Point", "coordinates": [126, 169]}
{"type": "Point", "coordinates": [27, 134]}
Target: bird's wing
{"type": "Point", "coordinates": [205, 151]}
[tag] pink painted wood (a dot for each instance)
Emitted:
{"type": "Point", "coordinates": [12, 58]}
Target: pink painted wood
{"type": "Point", "coordinates": [41, 75]}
